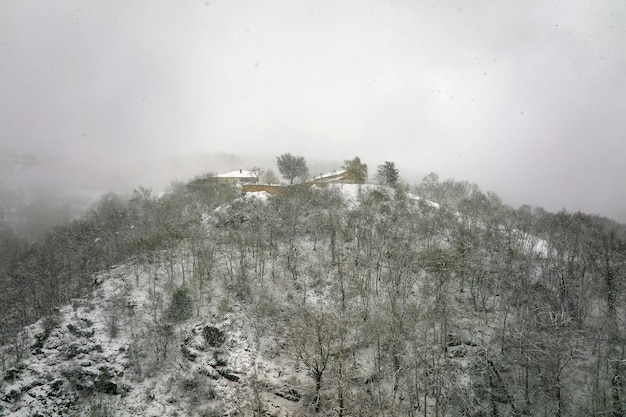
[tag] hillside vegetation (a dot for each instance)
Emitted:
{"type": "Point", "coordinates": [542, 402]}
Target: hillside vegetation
{"type": "Point", "coordinates": [350, 300]}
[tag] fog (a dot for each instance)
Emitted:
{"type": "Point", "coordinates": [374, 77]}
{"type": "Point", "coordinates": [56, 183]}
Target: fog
{"type": "Point", "coordinates": [526, 99]}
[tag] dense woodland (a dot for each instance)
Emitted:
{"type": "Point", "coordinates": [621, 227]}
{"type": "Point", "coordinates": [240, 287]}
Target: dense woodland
{"type": "Point", "coordinates": [392, 304]}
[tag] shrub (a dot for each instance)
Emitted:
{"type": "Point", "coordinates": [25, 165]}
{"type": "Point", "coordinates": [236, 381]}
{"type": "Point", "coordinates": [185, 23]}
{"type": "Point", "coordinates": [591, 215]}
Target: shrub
{"type": "Point", "coordinates": [181, 305]}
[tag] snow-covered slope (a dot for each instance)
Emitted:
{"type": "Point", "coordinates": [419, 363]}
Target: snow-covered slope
{"type": "Point", "coordinates": [102, 355]}
{"type": "Point", "coordinates": [298, 305]}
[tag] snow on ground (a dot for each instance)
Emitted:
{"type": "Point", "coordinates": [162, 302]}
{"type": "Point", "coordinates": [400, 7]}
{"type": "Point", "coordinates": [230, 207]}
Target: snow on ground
{"type": "Point", "coordinates": [350, 192]}
{"type": "Point", "coordinates": [99, 354]}
{"type": "Point", "coordinates": [427, 202]}
{"type": "Point", "coordinates": [541, 247]}
{"type": "Point", "coordinates": [530, 243]}
{"type": "Point", "coordinates": [263, 196]}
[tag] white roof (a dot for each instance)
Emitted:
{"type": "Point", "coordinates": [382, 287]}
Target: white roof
{"type": "Point", "coordinates": [331, 174]}
{"type": "Point", "coordinates": [238, 174]}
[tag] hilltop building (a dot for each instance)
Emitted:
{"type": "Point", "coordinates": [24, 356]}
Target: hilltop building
{"type": "Point", "coordinates": [239, 177]}
{"type": "Point", "coordinates": [335, 176]}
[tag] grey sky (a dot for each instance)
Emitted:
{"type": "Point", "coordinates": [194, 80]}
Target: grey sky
{"type": "Point", "coordinates": [527, 99]}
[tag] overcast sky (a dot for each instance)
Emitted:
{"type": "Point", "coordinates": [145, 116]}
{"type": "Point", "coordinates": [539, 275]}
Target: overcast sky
{"type": "Point", "coordinates": [526, 98]}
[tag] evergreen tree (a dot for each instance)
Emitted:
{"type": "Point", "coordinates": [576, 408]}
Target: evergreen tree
{"type": "Point", "coordinates": [181, 305]}
{"type": "Point", "coordinates": [388, 174]}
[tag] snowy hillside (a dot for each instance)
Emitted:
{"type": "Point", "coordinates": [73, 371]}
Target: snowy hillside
{"type": "Point", "coordinates": [342, 300]}
{"type": "Point", "coordinates": [91, 358]}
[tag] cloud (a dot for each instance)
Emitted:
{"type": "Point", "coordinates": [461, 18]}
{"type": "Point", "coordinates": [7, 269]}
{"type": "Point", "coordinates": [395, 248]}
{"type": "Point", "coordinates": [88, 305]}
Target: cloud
{"type": "Point", "coordinates": [523, 98]}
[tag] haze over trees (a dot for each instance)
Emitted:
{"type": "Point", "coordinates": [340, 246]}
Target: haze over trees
{"type": "Point", "coordinates": [342, 300]}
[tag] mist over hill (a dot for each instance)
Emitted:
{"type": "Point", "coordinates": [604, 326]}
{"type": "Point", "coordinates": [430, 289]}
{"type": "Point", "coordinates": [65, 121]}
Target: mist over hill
{"type": "Point", "coordinates": [38, 192]}
{"type": "Point", "coordinates": [69, 183]}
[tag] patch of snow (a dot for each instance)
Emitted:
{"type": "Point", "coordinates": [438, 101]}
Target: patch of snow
{"type": "Point", "coordinates": [263, 196]}
{"type": "Point", "coordinates": [349, 192]}
{"type": "Point", "coordinates": [417, 198]}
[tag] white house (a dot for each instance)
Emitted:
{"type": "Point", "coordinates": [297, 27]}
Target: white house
{"type": "Point", "coordinates": [239, 177]}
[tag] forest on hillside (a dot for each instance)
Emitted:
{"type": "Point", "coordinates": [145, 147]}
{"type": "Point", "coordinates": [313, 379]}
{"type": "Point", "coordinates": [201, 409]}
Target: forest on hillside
{"type": "Point", "coordinates": [433, 300]}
